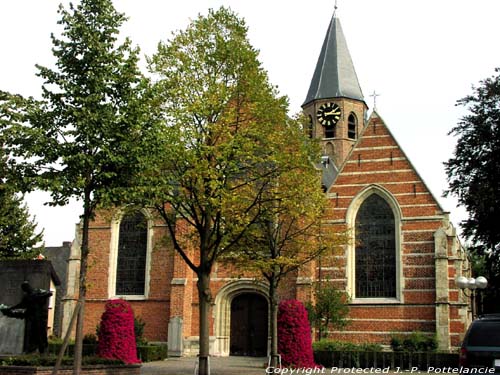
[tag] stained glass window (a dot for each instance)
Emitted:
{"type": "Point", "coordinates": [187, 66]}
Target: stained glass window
{"type": "Point", "coordinates": [375, 250]}
{"type": "Point", "coordinates": [132, 250]}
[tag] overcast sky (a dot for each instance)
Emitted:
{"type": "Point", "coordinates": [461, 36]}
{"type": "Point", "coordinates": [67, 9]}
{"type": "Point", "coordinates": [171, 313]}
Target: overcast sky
{"type": "Point", "coordinates": [420, 56]}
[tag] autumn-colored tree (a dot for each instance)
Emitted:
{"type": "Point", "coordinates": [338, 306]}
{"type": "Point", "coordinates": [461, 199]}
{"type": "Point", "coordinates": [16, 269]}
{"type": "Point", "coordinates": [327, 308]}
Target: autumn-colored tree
{"type": "Point", "coordinates": [288, 233]}
{"type": "Point", "coordinates": [211, 159]}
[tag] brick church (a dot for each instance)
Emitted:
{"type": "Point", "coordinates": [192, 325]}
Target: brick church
{"type": "Point", "coordinates": [399, 269]}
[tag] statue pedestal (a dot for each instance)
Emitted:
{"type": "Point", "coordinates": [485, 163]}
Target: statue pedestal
{"type": "Point", "coordinates": [11, 335]}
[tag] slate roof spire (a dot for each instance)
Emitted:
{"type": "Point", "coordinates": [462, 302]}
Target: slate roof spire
{"type": "Point", "coordinates": [334, 75]}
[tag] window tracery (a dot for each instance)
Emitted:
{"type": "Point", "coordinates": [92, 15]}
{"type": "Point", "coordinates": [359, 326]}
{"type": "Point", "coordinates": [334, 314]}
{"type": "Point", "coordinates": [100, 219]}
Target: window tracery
{"type": "Point", "coordinates": [132, 254]}
{"type": "Point", "coordinates": [375, 250]}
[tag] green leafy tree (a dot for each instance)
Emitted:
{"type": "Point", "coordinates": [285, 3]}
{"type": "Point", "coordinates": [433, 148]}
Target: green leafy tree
{"type": "Point", "coordinates": [18, 237]}
{"type": "Point", "coordinates": [474, 171]}
{"type": "Point", "coordinates": [330, 308]}
{"type": "Point", "coordinates": [480, 263]}
{"type": "Point", "coordinates": [83, 137]}
{"type": "Point", "coordinates": [212, 156]}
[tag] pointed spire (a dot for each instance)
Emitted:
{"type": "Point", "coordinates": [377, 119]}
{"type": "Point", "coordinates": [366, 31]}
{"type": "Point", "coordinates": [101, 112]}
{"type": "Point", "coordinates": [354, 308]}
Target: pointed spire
{"type": "Point", "coordinates": [334, 75]}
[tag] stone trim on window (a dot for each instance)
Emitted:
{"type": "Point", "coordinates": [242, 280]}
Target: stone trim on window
{"type": "Point", "coordinates": [351, 215]}
{"type": "Point", "coordinates": [114, 253]}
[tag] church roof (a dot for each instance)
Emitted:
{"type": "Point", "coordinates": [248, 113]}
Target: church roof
{"type": "Point", "coordinates": [329, 171]}
{"type": "Point", "coordinates": [334, 75]}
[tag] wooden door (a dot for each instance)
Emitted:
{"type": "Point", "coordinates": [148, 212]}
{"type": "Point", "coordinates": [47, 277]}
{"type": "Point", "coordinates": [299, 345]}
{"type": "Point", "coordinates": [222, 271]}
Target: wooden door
{"type": "Point", "coordinates": [249, 322]}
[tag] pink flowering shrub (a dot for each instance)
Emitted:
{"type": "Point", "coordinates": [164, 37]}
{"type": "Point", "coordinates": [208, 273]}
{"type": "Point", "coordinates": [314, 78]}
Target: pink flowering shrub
{"type": "Point", "coordinates": [294, 335]}
{"type": "Point", "coordinates": [116, 333]}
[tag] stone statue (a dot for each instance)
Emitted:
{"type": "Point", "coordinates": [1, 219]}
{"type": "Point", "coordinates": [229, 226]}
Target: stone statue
{"type": "Point", "coordinates": [33, 308]}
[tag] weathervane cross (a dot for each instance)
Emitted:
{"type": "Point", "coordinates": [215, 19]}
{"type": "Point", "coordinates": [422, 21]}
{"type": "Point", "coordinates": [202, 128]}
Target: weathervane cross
{"type": "Point", "coordinates": [335, 9]}
{"type": "Point", "coordinates": [374, 96]}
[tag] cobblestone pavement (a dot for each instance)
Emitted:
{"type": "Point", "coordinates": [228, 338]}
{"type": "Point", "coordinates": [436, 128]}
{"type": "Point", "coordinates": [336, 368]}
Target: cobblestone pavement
{"type": "Point", "coordinates": [218, 366]}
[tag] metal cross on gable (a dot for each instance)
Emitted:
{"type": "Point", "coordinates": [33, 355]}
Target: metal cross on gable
{"type": "Point", "coordinates": [374, 96]}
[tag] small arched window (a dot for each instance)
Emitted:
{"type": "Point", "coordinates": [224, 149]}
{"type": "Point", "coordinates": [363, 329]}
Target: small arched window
{"type": "Point", "coordinates": [352, 123]}
{"type": "Point", "coordinates": [310, 127]}
{"type": "Point", "coordinates": [375, 256]}
{"type": "Point", "coordinates": [329, 149]}
{"type": "Point", "coordinates": [132, 253]}
{"type": "Point", "coordinates": [330, 131]}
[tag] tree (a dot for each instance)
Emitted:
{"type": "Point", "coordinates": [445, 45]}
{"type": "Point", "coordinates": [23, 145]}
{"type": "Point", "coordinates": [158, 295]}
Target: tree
{"type": "Point", "coordinates": [84, 136]}
{"type": "Point", "coordinates": [330, 308]}
{"type": "Point", "coordinates": [212, 155]}
{"type": "Point", "coordinates": [18, 237]}
{"type": "Point", "coordinates": [473, 172]}
{"type": "Point", "coordinates": [486, 300]}
{"type": "Point", "coordinates": [288, 233]}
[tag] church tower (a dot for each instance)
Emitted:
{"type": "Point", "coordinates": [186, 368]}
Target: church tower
{"type": "Point", "coordinates": [335, 105]}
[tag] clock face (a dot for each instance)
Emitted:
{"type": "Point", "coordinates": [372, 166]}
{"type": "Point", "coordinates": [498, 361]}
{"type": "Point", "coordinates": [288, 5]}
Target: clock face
{"type": "Point", "coordinates": [328, 114]}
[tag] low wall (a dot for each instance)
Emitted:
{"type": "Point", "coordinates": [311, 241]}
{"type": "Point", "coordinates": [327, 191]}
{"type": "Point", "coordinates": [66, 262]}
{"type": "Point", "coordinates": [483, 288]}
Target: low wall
{"type": "Point", "coordinates": [86, 370]}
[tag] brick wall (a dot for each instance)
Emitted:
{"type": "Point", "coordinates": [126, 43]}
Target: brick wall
{"type": "Point", "coordinates": [155, 309]}
{"type": "Point", "coordinates": [376, 162]}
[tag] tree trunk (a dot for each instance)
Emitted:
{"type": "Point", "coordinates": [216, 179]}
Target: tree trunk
{"type": "Point", "coordinates": [273, 308]}
{"type": "Point", "coordinates": [77, 364]}
{"type": "Point", "coordinates": [205, 299]}
{"type": "Point", "coordinates": [66, 340]}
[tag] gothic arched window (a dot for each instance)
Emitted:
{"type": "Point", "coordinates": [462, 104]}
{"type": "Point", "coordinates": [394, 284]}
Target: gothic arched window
{"type": "Point", "coordinates": [310, 127]}
{"type": "Point", "coordinates": [351, 126]}
{"type": "Point", "coordinates": [132, 253]}
{"type": "Point", "coordinates": [375, 256]}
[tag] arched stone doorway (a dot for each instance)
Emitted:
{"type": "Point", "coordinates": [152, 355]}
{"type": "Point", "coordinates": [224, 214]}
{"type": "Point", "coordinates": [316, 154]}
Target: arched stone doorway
{"type": "Point", "coordinates": [223, 312]}
{"type": "Point", "coordinates": [249, 320]}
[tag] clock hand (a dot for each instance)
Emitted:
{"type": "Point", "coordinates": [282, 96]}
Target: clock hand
{"type": "Point", "coordinates": [332, 112]}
